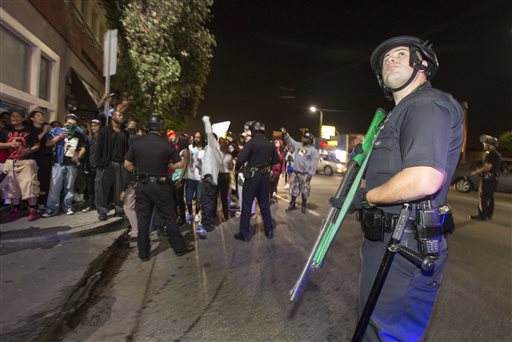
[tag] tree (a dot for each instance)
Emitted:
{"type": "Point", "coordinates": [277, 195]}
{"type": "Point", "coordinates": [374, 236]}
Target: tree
{"type": "Point", "coordinates": [166, 51]}
{"type": "Point", "coordinates": [505, 141]}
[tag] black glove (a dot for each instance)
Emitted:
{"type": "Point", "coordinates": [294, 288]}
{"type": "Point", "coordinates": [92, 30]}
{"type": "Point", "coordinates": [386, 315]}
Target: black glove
{"type": "Point", "coordinates": [359, 201]}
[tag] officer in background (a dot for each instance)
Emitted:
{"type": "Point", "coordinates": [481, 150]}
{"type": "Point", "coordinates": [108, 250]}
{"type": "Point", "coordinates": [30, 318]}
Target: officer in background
{"type": "Point", "coordinates": [150, 156]}
{"type": "Point", "coordinates": [412, 161]}
{"type": "Point", "coordinates": [489, 173]}
{"type": "Point", "coordinates": [260, 155]}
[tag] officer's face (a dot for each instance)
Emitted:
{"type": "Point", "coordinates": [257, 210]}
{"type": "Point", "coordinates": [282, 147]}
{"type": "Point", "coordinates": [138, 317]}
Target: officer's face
{"type": "Point", "coordinates": [395, 67]}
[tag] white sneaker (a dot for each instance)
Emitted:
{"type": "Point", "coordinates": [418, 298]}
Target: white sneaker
{"type": "Point", "coordinates": [197, 218]}
{"type": "Point", "coordinates": [287, 186]}
{"type": "Point", "coordinates": [48, 214]}
{"type": "Point", "coordinates": [70, 211]}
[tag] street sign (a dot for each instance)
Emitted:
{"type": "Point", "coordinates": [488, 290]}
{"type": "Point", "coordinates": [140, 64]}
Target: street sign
{"type": "Point", "coordinates": [110, 53]}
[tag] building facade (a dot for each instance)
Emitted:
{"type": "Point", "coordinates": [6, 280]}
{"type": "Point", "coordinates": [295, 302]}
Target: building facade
{"type": "Point", "coordinates": [51, 56]}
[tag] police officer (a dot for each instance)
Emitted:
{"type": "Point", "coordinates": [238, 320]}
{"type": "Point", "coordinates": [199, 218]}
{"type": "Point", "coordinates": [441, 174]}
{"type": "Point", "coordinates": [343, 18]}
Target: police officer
{"type": "Point", "coordinates": [305, 162]}
{"type": "Point", "coordinates": [412, 161]}
{"type": "Point", "coordinates": [260, 155]}
{"type": "Point", "coordinates": [149, 156]}
{"type": "Point", "coordinates": [489, 173]}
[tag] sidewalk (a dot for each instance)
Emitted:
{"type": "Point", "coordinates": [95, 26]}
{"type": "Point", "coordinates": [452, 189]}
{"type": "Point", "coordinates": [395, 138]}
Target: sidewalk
{"type": "Point", "coordinates": [47, 267]}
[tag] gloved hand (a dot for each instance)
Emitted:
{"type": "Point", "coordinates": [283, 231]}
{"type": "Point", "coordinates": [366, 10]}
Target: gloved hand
{"type": "Point", "coordinates": [359, 201]}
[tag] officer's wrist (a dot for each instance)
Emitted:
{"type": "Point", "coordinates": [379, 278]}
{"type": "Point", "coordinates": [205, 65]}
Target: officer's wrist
{"type": "Point", "coordinates": [366, 201]}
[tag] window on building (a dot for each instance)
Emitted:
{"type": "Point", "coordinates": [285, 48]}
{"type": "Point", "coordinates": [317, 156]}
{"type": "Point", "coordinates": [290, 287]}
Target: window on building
{"type": "Point", "coordinates": [44, 78]}
{"type": "Point", "coordinates": [14, 60]}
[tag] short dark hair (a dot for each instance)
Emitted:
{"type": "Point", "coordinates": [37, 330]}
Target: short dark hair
{"type": "Point", "coordinates": [35, 111]}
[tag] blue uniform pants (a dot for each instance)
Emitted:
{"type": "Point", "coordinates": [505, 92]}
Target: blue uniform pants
{"type": "Point", "coordinates": [405, 304]}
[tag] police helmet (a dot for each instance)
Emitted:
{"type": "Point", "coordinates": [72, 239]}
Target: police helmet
{"type": "Point", "coordinates": [257, 126]}
{"type": "Point", "coordinates": [489, 139]}
{"type": "Point", "coordinates": [156, 123]}
{"type": "Point", "coordinates": [416, 46]}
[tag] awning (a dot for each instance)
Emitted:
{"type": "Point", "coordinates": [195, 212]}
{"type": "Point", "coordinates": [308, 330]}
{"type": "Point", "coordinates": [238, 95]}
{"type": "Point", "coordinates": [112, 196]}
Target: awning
{"type": "Point", "coordinates": [85, 95]}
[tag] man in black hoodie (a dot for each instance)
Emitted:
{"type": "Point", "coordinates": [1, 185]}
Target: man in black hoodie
{"type": "Point", "coordinates": [110, 173]}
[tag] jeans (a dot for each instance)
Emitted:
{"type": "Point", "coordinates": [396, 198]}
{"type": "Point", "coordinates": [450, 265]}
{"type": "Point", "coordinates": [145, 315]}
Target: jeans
{"type": "Point", "coordinates": [62, 176]}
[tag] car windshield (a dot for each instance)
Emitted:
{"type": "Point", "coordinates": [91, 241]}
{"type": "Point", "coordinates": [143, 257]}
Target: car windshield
{"type": "Point", "coordinates": [332, 159]}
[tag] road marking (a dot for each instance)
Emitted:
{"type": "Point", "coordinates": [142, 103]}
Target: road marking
{"type": "Point", "coordinates": [309, 210]}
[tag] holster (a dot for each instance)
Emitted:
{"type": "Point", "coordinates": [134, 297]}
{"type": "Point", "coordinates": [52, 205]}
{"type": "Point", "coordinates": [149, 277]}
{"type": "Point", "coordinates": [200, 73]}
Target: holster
{"type": "Point", "coordinates": [375, 223]}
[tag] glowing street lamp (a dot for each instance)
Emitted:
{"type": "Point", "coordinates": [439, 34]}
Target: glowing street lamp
{"type": "Point", "coordinates": [313, 109]}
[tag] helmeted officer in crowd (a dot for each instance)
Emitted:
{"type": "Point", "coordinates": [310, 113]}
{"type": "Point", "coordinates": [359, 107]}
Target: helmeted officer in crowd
{"type": "Point", "coordinates": [413, 160]}
{"type": "Point", "coordinates": [150, 156]}
{"type": "Point", "coordinates": [305, 162]}
{"type": "Point", "coordinates": [489, 173]}
{"type": "Point", "coordinates": [257, 157]}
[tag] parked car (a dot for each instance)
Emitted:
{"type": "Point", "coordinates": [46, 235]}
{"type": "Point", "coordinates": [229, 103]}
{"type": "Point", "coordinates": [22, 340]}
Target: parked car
{"type": "Point", "coordinates": [329, 165]}
{"type": "Point", "coordinates": [463, 182]}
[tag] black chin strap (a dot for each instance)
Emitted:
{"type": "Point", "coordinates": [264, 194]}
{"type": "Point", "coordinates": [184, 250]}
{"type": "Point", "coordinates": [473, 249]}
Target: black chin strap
{"type": "Point", "coordinates": [416, 63]}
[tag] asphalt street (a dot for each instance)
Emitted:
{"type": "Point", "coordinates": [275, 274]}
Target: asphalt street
{"type": "Point", "coordinates": [228, 290]}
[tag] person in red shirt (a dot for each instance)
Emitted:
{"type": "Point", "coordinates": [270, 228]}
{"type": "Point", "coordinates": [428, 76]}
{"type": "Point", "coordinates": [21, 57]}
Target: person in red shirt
{"type": "Point", "coordinates": [21, 143]}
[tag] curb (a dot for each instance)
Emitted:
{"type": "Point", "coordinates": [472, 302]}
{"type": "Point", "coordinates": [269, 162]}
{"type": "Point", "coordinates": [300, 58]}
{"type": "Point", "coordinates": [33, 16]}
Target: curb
{"type": "Point", "coordinates": [83, 290]}
{"type": "Point", "coordinates": [91, 230]}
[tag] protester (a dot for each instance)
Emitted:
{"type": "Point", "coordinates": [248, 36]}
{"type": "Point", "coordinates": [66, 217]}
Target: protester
{"type": "Point", "coordinates": [110, 173]}
{"type": "Point", "coordinates": [91, 163]}
{"type": "Point", "coordinates": [43, 156]}
{"type": "Point", "coordinates": [178, 178]}
{"type": "Point", "coordinates": [21, 181]}
{"type": "Point", "coordinates": [305, 162]}
{"type": "Point", "coordinates": [277, 169]}
{"type": "Point", "coordinates": [69, 148]}
{"type": "Point", "coordinates": [210, 167]}
{"type": "Point", "coordinates": [224, 176]}
{"type": "Point", "coordinates": [193, 184]}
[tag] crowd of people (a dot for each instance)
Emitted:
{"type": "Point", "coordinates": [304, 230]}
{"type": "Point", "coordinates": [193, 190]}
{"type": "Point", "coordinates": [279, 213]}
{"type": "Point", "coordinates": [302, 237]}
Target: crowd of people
{"type": "Point", "coordinates": [70, 166]}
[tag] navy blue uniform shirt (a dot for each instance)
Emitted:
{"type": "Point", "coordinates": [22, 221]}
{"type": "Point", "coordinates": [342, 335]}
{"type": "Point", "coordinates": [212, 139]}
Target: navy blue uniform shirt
{"type": "Point", "coordinates": [424, 129]}
{"type": "Point", "coordinates": [151, 155]}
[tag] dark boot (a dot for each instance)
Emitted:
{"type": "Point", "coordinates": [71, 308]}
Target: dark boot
{"type": "Point", "coordinates": [292, 204]}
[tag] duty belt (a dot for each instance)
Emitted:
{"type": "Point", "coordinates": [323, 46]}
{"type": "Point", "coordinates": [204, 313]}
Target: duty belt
{"type": "Point", "coordinates": [375, 223]}
{"type": "Point", "coordinates": [260, 169]}
{"type": "Point", "coordinates": [145, 179]}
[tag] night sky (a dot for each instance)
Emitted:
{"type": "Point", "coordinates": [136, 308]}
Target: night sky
{"type": "Point", "coordinates": [274, 59]}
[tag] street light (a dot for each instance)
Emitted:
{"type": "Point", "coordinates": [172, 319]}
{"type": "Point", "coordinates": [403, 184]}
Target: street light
{"type": "Point", "coordinates": [313, 109]}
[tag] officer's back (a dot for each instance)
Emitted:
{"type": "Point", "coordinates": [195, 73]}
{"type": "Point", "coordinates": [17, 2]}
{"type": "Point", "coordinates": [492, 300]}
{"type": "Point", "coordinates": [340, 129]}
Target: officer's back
{"type": "Point", "coordinates": [259, 152]}
{"type": "Point", "coordinates": [152, 154]}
